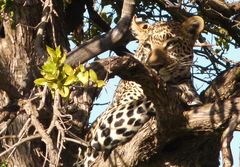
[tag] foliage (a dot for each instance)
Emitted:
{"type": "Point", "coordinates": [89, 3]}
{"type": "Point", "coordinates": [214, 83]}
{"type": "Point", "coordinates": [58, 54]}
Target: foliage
{"type": "Point", "coordinates": [60, 76]}
{"type": "Point", "coordinates": [4, 164]}
{"type": "Point", "coordinates": [223, 40]}
{"type": "Point", "coordinates": [6, 5]}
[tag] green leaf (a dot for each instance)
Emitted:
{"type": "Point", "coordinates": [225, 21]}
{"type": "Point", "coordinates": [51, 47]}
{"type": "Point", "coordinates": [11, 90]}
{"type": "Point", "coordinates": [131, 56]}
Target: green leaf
{"type": "Point", "coordinates": [64, 92]}
{"type": "Point", "coordinates": [50, 67]}
{"type": "Point", "coordinates": [62, 60]}
{"type": "Point", "coordinates": [4, 164]}
{"type": "Point", "coordinates": [52, 53]}
{"type": "Point", "coordinates": [68, 69]}
{"type": "Point", "coordinates": [52, 85]}
{"type": "Point", "coordinates": [70, 79]}
{"type": "Point", "coordinates": [58, 51]}
{"type": "Point", "coordinates": [82, 68]}
{"type": "Point", "coordinates": [50, 71]}
{"type": "Point", "coordinates": [100, 83]}
{"type": "Point", "coordinates": [51, 77]}
{"type": "Point", "coordinates": [83, 77]}
{"type": "Point", "coordinates": [40, 81]}
{"type": "Point", "coordinates": [62, 76]}
{"type": "Point", "coordinates": [93, 75]}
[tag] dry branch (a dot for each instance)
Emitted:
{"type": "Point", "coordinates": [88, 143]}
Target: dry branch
{"type": "Point", "coordinates": [51, 149]}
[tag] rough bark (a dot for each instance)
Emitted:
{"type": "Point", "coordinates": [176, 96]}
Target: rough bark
{"type": "Point", "coordinates": [19, 62]}
{"type": "Point", "coordinates": [196, 142]}
{"type": "Point", "coordinates": [17, 59]}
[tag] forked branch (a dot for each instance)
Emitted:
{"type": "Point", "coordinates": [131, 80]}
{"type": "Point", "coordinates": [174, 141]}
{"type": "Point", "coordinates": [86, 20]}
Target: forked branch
{"type": "Point", "coordinates": [98, 45]}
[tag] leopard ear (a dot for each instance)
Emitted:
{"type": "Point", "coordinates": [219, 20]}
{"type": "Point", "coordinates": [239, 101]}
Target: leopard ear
{"type": "Point", "coordinates": [139, 29]}
{"type": "Point", "coordinates": [193, 26]}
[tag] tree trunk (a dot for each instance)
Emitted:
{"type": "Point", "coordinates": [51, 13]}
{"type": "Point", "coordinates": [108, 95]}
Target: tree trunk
{"type": "Point", "coordinates": [19, 63]}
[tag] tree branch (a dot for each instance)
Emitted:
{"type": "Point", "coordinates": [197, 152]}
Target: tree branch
{"type": "Point", "coordinates": [26, 139]}
{"type": "Point", "coordinates": [96, 18]}
{"type": "Point", "coordinates": [98, 45]}
{"type": "Point", "coordinates": [210, 118]}
{"type": "Point", "coordinates": [51, 150]}
{"type": "Point", "coordinates": [47, 9]}
{"type": "Point", "coordinates": [219, 13]}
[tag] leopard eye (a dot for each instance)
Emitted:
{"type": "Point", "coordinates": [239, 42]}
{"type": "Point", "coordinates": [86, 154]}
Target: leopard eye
{"type": "Point", "coordinates": [147, 45]}
{"type": "Point", "coordinates": [145, 26]}
{"type": "Point", "coordinates": [169, 44]}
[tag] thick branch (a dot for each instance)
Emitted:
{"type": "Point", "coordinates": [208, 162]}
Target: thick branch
{"type": "Point", "coordinates": [225, 86]}
{"type": "Point", "coordinates": [208, 119]}
{"type": "Point", "coordinates": [105, 42]}
{"type": "Point", "coordinates": [218, 12]}
{"type": "Point", "coordinates": [96, 18]}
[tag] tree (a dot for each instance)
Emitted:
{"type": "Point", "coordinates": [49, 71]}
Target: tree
{"type": "Point", "coordinates": [38, 127]}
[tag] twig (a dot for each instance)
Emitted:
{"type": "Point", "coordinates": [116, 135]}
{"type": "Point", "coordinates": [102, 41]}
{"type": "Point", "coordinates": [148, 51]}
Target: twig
{"type": "Point", "coordinates": [8, 136]}
{"type": "Point", "coordinates": [24, 128]}
{"type": "Point", "coordinates": [20, 142]}
{"type": "Point", "coordinates": [96, 18]}
{"type": "Point", "coordinates": [21, 134]}
{"type": "Point", "coordinates": [226, 139]}
{"type": "Point", "coordinates": [80, 142]}
{"type": "Point", "coordinates": [32, 112]}
{"type": "Point", "coordinates": [53, 28]}
{"type": "Point", "coordinates": [203, 44]}
{"type": "Point", "coordinates": [200, 79]}
{"type": "Point", "coordinates": [43, 100]}
{"type": "Point", "coordinates": [60, 141]}
{"type": "Point", "coordinates": [4, 125]}
{"type": "Point", "coordinates": [60, 129]}
{"type": "Point", "coordinates": [100, 104]}
{"type": "Point", "coordinates": [56, 113]}
{"type": "Point", "coordinates": [56, 122]}
{"type": "Point", "coordinates": [45, 158]}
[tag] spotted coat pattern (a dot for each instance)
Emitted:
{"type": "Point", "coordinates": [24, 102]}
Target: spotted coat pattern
{"type": "Point", "coordinates": [168, 48]}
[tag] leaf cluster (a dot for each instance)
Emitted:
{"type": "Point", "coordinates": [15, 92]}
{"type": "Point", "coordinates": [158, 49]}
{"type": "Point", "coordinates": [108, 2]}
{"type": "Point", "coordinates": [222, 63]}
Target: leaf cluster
{"type": "Point", "coordinates": [6, 6]}
{"type": "Point", "coordinates": [223, 40]}
{"type": "Point", "coordinates": [60, 76]}
{"type": "Point", "coordinates": [4, 164]}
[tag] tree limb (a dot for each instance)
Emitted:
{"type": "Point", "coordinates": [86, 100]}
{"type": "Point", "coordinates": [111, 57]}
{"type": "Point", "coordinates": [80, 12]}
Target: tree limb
{"type": "Point", "coordinates": [208, 119]}
{"type": "Point", "coordinates": [98, 45]}
{"type": "Point", "coordinates": [52, 152]}
{"type": "Point", "coordinates": [47, 9]}
{"type": "Point", "coordinates": [96, 18]}
{"type": "Point", "coordinates": [219, 13]}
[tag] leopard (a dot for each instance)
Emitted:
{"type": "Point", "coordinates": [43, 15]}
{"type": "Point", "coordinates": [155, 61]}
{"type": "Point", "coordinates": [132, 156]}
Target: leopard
{"type": "Point", "coordinates": [166, 47]}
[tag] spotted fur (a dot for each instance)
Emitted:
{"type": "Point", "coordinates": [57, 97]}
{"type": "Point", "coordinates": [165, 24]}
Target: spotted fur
{"type": "Point", "coordinates": [168, 48]}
